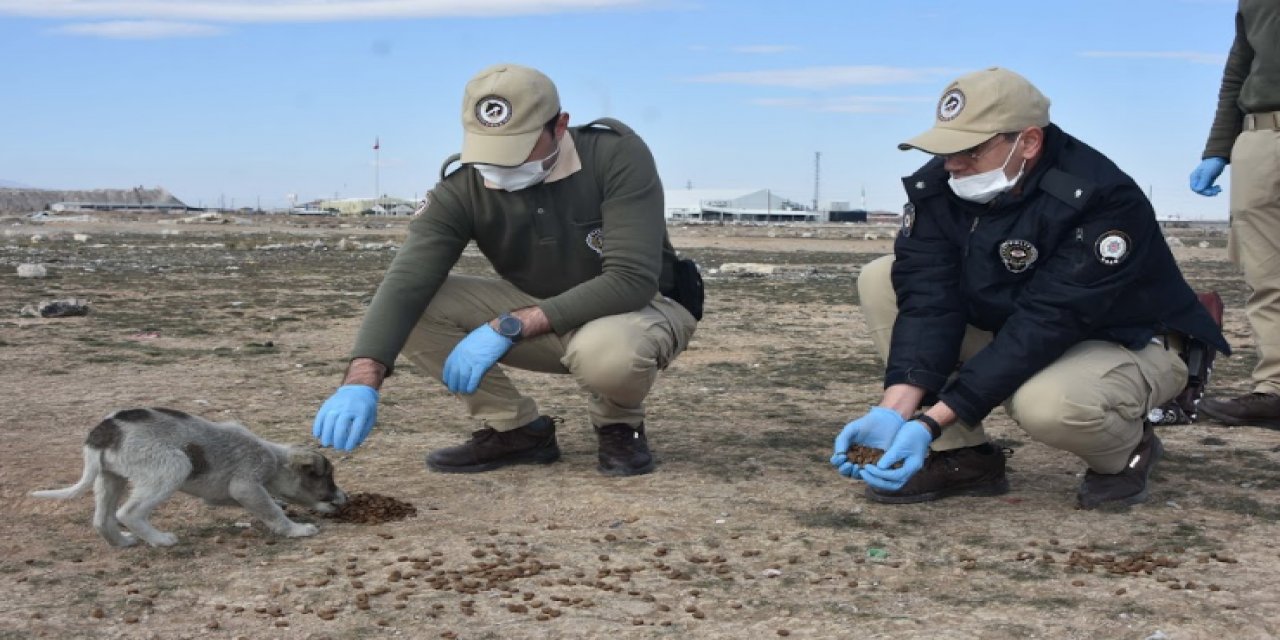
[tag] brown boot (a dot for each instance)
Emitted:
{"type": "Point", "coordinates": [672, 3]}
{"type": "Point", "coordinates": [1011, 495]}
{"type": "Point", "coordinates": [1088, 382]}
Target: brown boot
{"type": "Point", "coordinates": [489, 449]}
{"type": "Point", "coordinates": [624, 451]}
{"type": "Point", "coordinates": [967, 471]}
{"type": "Point", "coordinates": [1130, 485]}
{"type": "Point", "coordinates": [1254, 409]}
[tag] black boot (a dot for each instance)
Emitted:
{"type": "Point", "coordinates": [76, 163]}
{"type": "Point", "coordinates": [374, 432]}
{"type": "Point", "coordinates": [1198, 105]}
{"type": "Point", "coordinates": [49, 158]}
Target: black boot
{"type": "Point", "coordinates": [624, 451]}
{"type": "Point", "coordinates": [488, 449]}
{"type": "Point", "coordinates": [967, 471]}
{"type": "Point", "coordinates": [1254, 409]}
{"type": "Point", "coordinates": [1130, 485]}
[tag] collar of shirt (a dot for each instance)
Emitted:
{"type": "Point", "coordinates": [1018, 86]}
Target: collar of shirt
{"type": "Point", "coordinates": [568, 164]}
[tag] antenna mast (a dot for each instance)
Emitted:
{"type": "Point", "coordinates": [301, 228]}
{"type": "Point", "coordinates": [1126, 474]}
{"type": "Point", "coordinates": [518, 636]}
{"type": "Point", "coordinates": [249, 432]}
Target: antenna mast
{"type": "Point", "coordinates": [817, 177]}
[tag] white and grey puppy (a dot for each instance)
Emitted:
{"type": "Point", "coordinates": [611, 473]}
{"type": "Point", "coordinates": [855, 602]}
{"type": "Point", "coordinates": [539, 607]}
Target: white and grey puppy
{"type": "Point", "coordinates": [161, 451]}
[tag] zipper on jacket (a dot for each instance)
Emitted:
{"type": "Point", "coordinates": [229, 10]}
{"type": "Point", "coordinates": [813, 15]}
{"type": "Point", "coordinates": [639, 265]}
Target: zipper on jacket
{"type": "Point", "coordinates": [969, 241]}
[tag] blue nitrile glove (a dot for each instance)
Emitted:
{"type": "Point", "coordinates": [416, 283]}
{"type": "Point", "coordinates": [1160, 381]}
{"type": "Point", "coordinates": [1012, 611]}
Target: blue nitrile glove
{"type": "Point", "coordinates": [345, 419]}
{"type": "Point", "coordinates": [473, 357]}
{"type": "Point", "coordinates": [910, 446]}
{"type": "Point", "coordinates": [1202, 179]}
{"type": "Point", "coordinates": [875, 430]}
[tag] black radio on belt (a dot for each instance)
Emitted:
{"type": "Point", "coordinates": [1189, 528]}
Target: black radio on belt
{"type": "Point", "coordinates": [1199, 358]}
{"type": "Point", "coordinates": [688, 287]}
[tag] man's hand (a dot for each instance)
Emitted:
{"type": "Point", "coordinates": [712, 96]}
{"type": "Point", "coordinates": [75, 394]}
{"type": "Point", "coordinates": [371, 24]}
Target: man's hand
{"type": "Point", "coordinates": [875, 430]}
{"type": "Point", "coordinates": [472, 358]}
{"type": "Point", "coordinates": [910, 446]}
{"type": "Point", "coordinates": [345, 419]}
{"type": "Point", "coordinates": [1205, 174]}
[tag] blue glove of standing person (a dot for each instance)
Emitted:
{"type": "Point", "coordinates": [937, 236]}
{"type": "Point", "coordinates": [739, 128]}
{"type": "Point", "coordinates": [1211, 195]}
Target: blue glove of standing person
{"type": "Point", "coordinates": [1204, 175]}
{"type": "Point", "coordinates": [910, 446]}
{"type": "Point", "coordinates": [875, 430]}
{"type": "Point", "coordinates": [345, 419]}
{"type": "Point", "coordinates": [473, 357]}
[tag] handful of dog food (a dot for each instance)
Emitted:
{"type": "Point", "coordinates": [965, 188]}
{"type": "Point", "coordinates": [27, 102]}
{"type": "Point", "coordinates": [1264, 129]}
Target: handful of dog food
{"type": "Point", "coordinates": [866, 456]}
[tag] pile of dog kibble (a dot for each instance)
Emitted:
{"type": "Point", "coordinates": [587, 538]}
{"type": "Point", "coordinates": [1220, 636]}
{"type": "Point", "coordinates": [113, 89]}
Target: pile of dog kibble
{"type": "Point", "coordinates": [373, 508]}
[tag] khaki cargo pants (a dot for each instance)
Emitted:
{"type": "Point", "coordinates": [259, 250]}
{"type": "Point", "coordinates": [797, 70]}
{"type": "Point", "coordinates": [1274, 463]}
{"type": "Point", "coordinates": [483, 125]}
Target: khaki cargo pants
{"type": "Point", "coordinates": [615, 359]}
{"type": "Point", "coordinates": [1090, 402]}
{"type": "Point", "coordinates": [1254, 244]}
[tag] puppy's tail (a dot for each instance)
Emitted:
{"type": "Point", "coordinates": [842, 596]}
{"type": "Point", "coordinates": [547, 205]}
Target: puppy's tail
{"type": "Point", "coordinates": [92, 467]}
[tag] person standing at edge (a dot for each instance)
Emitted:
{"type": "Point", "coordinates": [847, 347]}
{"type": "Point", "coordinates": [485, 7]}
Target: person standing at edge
{"type": "Point", "coordinates": [1029, 271]}
{"type": "Point", "coordinates": [1246, 133]}
{"type": "Point", "coordinates": [572, 221]}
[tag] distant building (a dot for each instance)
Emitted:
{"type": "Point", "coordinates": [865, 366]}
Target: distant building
{"type": "Point", "coordinates": [358, 206]}
{"type": "Point", "coordinates": [84, 207]}
{"type": "Point", "coordinates": [62, 201]}
{"type": "Point", "coordinates": [884, 217]}
{"type": "Point", "coordinates": [735, 205]}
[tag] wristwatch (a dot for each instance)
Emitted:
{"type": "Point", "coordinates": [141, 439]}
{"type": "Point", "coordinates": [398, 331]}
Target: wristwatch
{"type": "Point", "coordinates": [510, 327]}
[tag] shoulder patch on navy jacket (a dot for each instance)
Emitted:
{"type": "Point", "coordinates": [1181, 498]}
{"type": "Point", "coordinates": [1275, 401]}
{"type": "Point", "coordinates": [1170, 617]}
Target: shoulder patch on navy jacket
{"type": "Point", "coordinates": [444, 168]}
{"type": "Point", "coordinates": [610, 123]}
{"type": "Point", "coordinates": [1067, 188]}
{"type": "Point", "coordinates": [930, 179]}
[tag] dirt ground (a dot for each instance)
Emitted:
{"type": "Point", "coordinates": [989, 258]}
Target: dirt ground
{"type": "Point", "coordinates": [744, 530]}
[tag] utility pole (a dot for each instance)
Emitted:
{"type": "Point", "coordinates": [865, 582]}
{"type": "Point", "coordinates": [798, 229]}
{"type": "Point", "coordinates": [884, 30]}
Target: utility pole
{"type": "Point", "coordinates": [817, 178]}
{"type": "Point", "coordinates": [377, 189]}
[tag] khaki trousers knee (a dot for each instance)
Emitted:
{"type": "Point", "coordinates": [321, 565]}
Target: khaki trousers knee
{"type": "Point", "coordinates": [1254, 244]}
{"type": "Point", "coordinates": [615, 359]}
{"type": "Point", "coordinates": [1090, 402]}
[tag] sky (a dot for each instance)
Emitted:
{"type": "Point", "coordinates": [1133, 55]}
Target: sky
{"type": "Point", "coordinates": [257, 102]}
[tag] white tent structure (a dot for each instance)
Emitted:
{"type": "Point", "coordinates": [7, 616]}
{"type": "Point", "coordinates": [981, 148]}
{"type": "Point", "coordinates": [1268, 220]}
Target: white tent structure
{"type": "Point", "coordinates": [735, 205]}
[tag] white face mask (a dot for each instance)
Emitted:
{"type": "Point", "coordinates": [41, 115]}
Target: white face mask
{"type": "Point", "coordinates": [984, 187]}
{"type": "Point", "coordinates": [520, 177]}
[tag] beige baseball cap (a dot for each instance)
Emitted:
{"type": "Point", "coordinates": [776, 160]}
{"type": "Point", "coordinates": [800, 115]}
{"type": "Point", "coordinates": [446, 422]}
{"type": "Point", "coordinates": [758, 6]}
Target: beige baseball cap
{"type": "Point", "coordinates": [977, 106]}
{"type": "Point", "coordinates": [503, 111]}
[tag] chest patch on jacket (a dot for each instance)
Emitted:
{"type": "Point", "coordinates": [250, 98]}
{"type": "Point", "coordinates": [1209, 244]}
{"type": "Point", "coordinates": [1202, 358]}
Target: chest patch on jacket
{"type": "Point", "coordinates": [595, 240]}
{"type": "Point", "coordinates": [1112, 247]}
{"type": "Point", "coordinates": [1018, 255]}
{"type": "Point", "coordinates": [908, 219]}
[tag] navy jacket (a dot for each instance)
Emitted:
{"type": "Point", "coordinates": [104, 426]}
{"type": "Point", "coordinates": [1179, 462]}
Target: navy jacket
{"type": "Point", "coordinates": [1076, 255]}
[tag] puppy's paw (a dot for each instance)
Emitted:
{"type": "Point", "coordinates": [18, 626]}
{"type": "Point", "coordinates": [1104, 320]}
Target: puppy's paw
{"type": "Point", "coordinates": [324, 507]}
{"type": "Point", "coordinates": [162, 539]}
{"type": "Point", "coordinates": [124, 540]}
{"type": "Point", "coordinates": [301, 530]}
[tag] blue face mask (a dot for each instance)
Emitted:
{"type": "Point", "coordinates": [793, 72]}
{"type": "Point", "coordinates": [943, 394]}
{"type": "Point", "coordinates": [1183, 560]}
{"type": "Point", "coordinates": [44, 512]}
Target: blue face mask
{"type": "Point", "coordinates": [522, 176]}
{"type": "Point", "coordinates": [984, 187]}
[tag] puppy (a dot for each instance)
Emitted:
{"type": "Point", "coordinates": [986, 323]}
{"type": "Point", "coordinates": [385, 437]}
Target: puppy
{"type": "Point", "coordinates": [162, 451]}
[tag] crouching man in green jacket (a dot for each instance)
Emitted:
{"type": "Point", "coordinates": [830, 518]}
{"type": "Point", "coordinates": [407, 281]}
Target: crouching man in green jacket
{"type": "Point", "coordinates": [572, 221]}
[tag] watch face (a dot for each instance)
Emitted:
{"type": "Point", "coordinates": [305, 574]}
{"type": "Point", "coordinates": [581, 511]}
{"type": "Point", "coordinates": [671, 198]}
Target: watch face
{"type": "Point", "coordinates": [510, 326]}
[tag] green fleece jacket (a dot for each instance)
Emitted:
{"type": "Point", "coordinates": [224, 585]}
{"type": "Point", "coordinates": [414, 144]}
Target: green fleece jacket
{"type": "Point", "coordinates": [590, 245]}
{"type": "Point", "coordinates": [1251, 80]}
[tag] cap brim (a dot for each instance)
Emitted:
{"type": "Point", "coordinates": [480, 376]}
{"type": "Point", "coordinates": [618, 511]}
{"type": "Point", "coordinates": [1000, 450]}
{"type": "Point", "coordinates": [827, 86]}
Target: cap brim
{"type": "Point", "coordinates": [944, 141]}
{"type": "Point", "coordinates": [506, 151]}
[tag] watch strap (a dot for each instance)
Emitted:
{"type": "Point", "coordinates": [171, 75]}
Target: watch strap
{"type": "Point", "coordinates": [935, 429]}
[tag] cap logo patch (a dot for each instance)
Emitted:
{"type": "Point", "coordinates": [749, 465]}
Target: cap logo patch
{"type": "Point", "coordinates": [1112, 247]}
{"type": "Point", "coordinates": [493, 111]}
{"type": "Point", "coordinates": [1018, 255]}
{"type": "Point", "coordinates": [595, 240]}
{"type": "Point", "coordinates": [951, 104]}
{"type": "Point", "coordinates": [908, 219]}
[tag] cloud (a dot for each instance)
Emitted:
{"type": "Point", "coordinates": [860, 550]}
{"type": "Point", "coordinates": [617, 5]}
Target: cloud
{"type": "Point", "coordinates": [826, 77]}
{"type": "Point", "coordinates": [845, 104]}
{"type": "Point", "coordinates": [1188, 56]}
{"type": "Point", "coordinates": [139, 30]}
{"type": "Point", "coordinates": [765, 49]}
{"type": "Point", "coordinates": [297, 10]}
